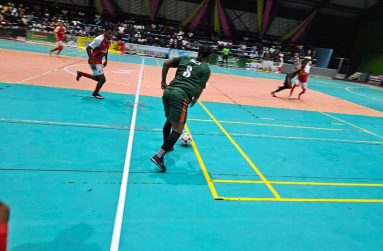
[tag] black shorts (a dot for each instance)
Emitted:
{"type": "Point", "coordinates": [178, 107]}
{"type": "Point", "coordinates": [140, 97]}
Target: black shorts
{"type": "Point", "coordinates": [287, 84]}
{"type": "Point", "coordinates": [175, 105]}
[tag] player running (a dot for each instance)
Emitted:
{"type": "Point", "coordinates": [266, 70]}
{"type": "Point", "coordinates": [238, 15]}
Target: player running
{"type": "Point", "coordinates": [302, 79]}
{"type": "Point", "coordinates": [60, 36]}
{"type": "Point", "coordinates": [97, 50]}
{"type": "Point", "coordinates": [288, 81]}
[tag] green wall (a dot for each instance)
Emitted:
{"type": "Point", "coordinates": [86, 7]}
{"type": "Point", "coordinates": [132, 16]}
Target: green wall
{"type": "Point", "coordinates": [369, 47]}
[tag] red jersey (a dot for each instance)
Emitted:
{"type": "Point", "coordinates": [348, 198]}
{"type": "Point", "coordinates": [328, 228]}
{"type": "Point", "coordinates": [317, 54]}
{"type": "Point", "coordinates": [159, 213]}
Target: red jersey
{"type": "Point", "coordinates": [100, 46]}
{"type": "Point", "coordinates": [60, 33]}
{"type": "Point", "coordinates": [303, 77]}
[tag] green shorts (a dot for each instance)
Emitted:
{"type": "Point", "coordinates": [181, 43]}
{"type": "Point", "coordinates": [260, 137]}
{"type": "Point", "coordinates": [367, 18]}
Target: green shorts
{"type": "Point", "coordinates": [175, 105]}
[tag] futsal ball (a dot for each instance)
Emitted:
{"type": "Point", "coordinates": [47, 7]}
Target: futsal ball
{"type": "Point", "coordinates": [186, 139]}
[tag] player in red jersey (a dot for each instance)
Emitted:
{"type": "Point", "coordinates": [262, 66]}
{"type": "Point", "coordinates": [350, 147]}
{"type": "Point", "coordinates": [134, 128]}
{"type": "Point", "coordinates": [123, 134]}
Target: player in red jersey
{"type": "Point", "coordinates": [96, 50]}
{"type": "Point", "coordinates": [60, 35]}
{"type": "Point", "coordinates": [4, 218]}
{"type": "Point", "coordinates": [301, 79]}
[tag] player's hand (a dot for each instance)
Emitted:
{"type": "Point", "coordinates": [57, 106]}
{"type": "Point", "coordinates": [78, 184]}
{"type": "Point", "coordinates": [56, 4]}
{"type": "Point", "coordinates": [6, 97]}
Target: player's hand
{"type": "Point", "coordinates": [93, 65]}
{"type": "Point", "coordinates": [163, 85]}
{"type": "Point", "coordinates": [105, 63]}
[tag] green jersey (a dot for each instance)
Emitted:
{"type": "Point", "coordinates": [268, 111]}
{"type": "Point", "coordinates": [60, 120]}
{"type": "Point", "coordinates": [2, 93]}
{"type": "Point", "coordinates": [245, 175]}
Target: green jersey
{"type": "Point", "coordinates": [191, 76]}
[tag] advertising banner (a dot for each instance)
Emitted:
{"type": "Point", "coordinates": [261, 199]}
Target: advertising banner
{"type": "Point", "coordinates": [41, 37]}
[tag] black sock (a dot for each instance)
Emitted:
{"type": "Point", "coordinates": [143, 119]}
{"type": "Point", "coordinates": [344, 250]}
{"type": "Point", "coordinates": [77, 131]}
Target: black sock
{"type": "Point", "coordinates": [98, 87]}
{"type": "Point", "coordinates": [166, 130]}
{"type": "Point", "coordinates": [169, 143]}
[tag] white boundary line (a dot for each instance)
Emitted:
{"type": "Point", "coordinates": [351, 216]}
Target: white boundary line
{"type": "Point", "coordinates": [35, 76]}
{"type": "Point", "coordinates": [66, 68]}
{"type": "Point", "coordinates": [114, 246]}
{"type": "Point", "coordinates": [349, 90]}
{"type": "Point", "coordinates": [47, 72]}
{"type": "Point", "coordinates": [45, 122]}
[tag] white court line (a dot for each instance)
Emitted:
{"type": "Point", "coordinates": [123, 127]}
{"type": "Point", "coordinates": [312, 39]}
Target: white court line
{"type": "Point", "coordinates": [45, 122]}
{"type": "Point", "coordinates": [44, 73]}
{"type": "Point", "coordinates": [73, 73]}
{"type": "Point", "coordinates": [348, 89]}
{"type": "Point", "coordinates": [308, 138]}
{"type": "Point", "coordinates": [114, 246]}
{"type": "Point", "coordinates": [36, 76]}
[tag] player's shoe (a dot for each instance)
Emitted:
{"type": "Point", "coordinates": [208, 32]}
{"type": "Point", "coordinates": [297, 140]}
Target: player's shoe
{"type": "Point", "coordinates": [97, 96]}
{"type": "Point", "coordinates": [159, 162]}
{"type": "Point", "coordinates": [78, 76]}
{"type": "Point", "coordinates": [273, 94]}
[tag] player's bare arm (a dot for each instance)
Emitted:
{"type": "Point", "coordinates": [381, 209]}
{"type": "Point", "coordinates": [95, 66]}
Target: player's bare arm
{"type": "Point", "coordinates": [91, 60]}
{"type": "Point", "coordinates": [165, 69]}
{"type": "Point", "coordinates": [106, 59]}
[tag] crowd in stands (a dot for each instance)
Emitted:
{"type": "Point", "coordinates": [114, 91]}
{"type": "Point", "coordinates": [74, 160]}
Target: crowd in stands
{"type": "Point", "coordinates": [83, 22]}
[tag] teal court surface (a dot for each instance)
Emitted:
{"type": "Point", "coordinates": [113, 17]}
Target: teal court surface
{"type": "Point", "coordinates": [255, 178]}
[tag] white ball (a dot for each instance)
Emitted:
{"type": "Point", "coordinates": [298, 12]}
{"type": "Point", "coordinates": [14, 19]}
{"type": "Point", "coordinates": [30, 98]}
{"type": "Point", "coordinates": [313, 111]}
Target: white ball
{"type": "Point", "coordinates": [186, 139]}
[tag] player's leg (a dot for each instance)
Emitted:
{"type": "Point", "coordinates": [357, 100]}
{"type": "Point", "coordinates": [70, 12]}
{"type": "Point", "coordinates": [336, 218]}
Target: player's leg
{"type": "Point", "coordinates": [297, 83]}
{"type": "Point", "coordinates": [292, 90]}
{"type": "Point", "coordinates": [100, 83]}
{"type": "Point", "coordinates": [166, 129]}
{"type": "Point", "coordinates": [84, 74]}
{"type": "Point", "coordinates": [281, 88]}
{"type": "Point", "coordinates": [304, 88]}
{"type": "Point", "coordinates": [177, 116]}
{"type": "Point", "coordinates": [60, 47]}
{"type": "Point", "coordinates": [168, 125]}
{"type": "Point", "coordinates": [55, 49]}
{"type": "Point", "coordinates": [94, 76]}
{"type": "Point", "coordinates": [4, 218]}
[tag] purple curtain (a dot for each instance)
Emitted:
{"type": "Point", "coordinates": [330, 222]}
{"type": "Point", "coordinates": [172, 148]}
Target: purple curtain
{"type": "Point", "coordinates": [266, 15]}
{"type": "Point", "coordinates": [302, 30]}
{"type": "Point", "coordinates": [223, 20]}
{"type": "Point", "coordinates": [108, 7]}
{"type": "Point", "coordinates": [198, 17]}
{"type": "Point", "coordinates": [154, 6]}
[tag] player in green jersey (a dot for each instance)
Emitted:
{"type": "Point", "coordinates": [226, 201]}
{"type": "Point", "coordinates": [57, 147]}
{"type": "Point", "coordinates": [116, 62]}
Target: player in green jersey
{"type": "Point", "coordinates": [185, 89]}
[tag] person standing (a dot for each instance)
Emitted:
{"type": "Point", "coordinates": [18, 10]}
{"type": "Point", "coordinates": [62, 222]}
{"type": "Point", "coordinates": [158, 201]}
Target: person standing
{"type": "Point", "coordinates": [225, 57]}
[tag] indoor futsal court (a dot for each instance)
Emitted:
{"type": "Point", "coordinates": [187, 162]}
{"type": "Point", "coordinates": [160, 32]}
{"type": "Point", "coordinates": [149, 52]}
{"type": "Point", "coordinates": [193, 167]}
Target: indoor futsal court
{"type": "Point", "coordinates": [262, 173]}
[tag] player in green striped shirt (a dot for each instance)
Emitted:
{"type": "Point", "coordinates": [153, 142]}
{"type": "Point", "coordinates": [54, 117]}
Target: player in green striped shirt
{"type": "Point", "coordinates": [185, 89]}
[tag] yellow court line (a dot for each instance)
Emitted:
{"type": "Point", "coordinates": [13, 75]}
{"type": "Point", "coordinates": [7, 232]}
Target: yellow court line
{"type": "Point", "coordinates": [348, 123]}
{"type": "Point", "coordinates": [203, 167]}
{"type": "Point", "coordinates": [342, 200]}
{"type": "Point", "coordinates": [301, 183]}
{"type": "Point", "coordinates": [272, 125]}
{"type": "Point", "coordinates": [263, 178]}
